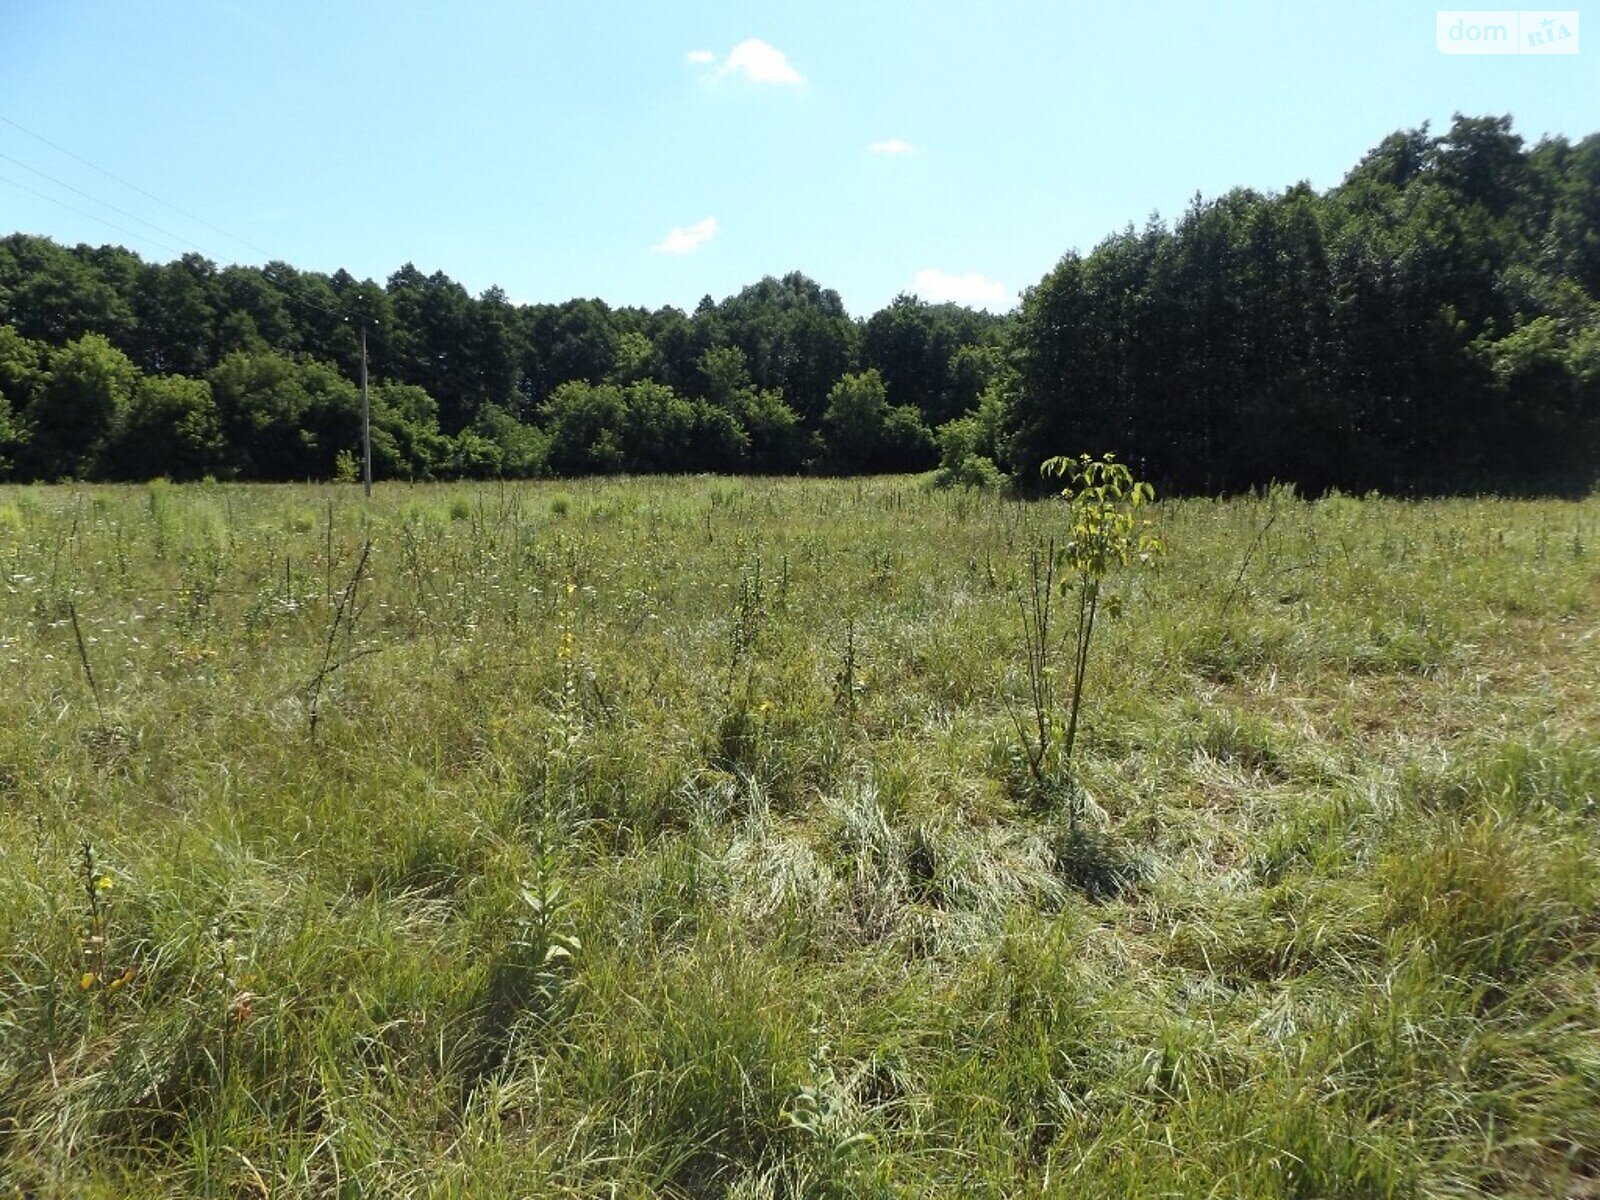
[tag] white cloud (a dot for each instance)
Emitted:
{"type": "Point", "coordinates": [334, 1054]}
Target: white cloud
{"type": "Point", "coordinates": [891, 146]}
{"type": "Point", "coordinates": [760, 63]}
{"type": "Point", "coordinates": [686, 239]}
{"type": "Point", "coordinates": [939, 287]}
{"type": "Point", "coordinates": [752, 58]}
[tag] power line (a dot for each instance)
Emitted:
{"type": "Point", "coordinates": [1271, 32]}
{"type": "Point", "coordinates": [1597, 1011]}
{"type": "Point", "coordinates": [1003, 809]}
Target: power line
{"type": "Point", "coordinates": [266, 254]}
{"type": "Point", "coordinates": [142, 237]}
{"type": "Point", "coordinates": [39, 137]}
{"type": "Point", "coordinates": [288, 296]}
{"type": "Point", "coordinates": [366, 416]}
{"type": "Point", "coordinates": [103, 203]}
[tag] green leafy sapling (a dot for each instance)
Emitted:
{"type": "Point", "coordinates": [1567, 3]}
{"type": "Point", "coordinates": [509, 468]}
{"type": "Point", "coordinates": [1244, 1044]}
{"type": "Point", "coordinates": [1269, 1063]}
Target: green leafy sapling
{"type": "Point", "coordinates": [1106, 534]}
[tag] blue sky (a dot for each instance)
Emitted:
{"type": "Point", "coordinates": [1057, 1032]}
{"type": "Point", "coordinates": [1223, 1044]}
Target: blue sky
{"type": "Point", "coordinates": [651, 153]}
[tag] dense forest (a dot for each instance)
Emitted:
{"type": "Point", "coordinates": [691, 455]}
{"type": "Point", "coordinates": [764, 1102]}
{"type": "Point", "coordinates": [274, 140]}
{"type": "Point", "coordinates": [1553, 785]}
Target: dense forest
{"type": "Point", "coordinates": [1430, 324]}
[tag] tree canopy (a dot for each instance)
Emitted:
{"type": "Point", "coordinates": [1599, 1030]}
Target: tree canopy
{"type": "Point", "coordinates": [1429, 324]}
{"type": "Point", "coordinates": [1424, 326]}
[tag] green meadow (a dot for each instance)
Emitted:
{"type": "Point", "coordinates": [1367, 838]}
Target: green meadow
{"type": "Point", "coordinates": [673, 838]}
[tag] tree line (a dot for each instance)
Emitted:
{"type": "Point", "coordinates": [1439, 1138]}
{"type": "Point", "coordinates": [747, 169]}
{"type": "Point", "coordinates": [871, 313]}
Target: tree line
{"type": "Point", "coordinates": [115, 368]}
{"type": "Point", "coordinates": [1429, 324]}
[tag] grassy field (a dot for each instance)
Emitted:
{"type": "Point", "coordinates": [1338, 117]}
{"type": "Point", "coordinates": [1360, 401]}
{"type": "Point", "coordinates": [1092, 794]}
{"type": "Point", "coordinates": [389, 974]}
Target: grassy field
{"type": "Point", "coordinates": [666, 838]}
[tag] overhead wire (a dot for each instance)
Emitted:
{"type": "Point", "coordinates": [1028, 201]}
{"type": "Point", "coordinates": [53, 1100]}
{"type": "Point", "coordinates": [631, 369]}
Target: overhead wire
{"type": "Point", "coordinates": [167, 234]}
{"type": "Point", "coordinates": [141, 237]}
{"type": "Point", "coordinates": [39, 137]}
{"type": "Point", "coordinates": [61, 183]}
{"type": "Point", "coordinates": [346, 318]}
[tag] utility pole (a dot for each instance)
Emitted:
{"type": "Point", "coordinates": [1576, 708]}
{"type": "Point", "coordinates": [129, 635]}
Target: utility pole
{"type": "Point", "coordinates": [366, 418]}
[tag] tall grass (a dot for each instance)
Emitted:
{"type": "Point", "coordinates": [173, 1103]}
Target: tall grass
{"type": "Point", "coordinates": [662, 838]}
